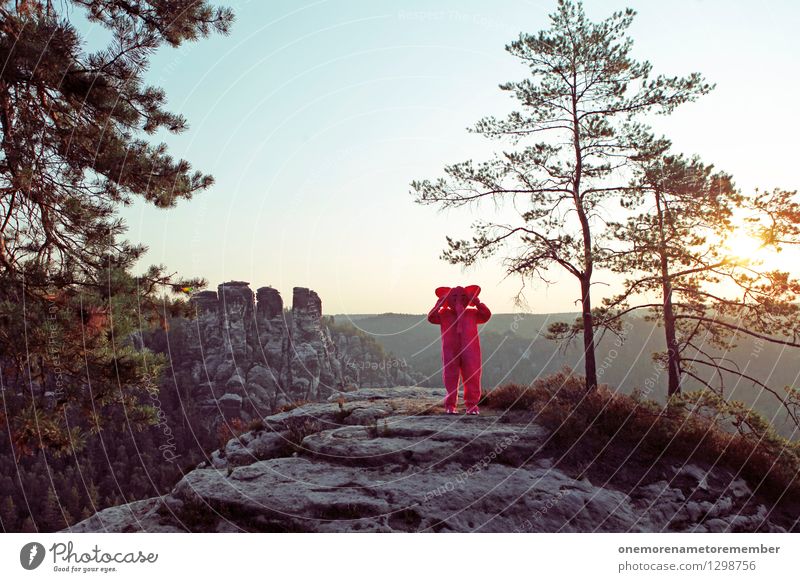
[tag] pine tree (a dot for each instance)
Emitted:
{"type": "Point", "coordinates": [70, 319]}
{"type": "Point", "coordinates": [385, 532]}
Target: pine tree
{"type": "Point", "coordinates": [86, 513]}
{"type": "Point", "coordinates": [675, 246]}
{"type": "Point", "coordinates": [72, 500]}
{"type": "Point", "coordinates": [69, 519]}
{"type": "Point", "coordinates": [71, 154]}
{"type": "Point", "coordinates": [8, 515]}
{"type": "Point", "coordinates": [94, 495]}
{"type": "Point", "coordinates": [28, 526]}
{"type": "Point", "coordinates": [583, 102]}
{"type": "Point", "coordinates": [52, 516]}
{"type": "Point", "coordinates": [683, 209]}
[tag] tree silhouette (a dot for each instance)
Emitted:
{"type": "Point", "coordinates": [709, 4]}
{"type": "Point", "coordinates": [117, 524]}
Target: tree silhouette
{"type": "Point", "coordinates": [582, 102]}
{"type": "Point", "coordinates": [675, 246]}
{"type": "Point", "coordinates": [8, 515]}
{"type": "Point", "coordinates": [682, 210]}
{"type": "Point", "coordinates": [71, 154]}
{"type": "Point", "coordinates": [776, 217]}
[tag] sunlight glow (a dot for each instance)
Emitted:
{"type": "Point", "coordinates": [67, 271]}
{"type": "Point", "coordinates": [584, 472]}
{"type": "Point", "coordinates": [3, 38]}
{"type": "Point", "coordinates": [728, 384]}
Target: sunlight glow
{"type": "Point", "coordinates": [746, 249]}
{"type": "Point", "coordinates": [743, 247]}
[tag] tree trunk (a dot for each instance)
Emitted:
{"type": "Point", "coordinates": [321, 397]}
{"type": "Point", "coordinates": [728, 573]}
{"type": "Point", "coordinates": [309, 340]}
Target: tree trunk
{"type": "Point", "coordinates": [590, 363]}
{"type": "Point", "coordinates": [673, 353]}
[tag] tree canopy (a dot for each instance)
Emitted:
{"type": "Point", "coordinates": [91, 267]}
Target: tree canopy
{"type": "Point", "coordinates": [579, 126]}
{"type": "Point", "coordinates": [73, 150]}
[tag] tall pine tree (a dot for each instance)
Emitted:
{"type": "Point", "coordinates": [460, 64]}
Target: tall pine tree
{"type": "Point", "coordinates": [71, 153]}
{"type": "Point", "coordinates": [582, 106]}
{"type": "Point", "coordinates": [674, 246]}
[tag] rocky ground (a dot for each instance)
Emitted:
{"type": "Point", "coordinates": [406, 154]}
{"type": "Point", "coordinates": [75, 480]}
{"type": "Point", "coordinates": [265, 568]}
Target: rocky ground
{"type": "Point", "coordinates": [387, 460]}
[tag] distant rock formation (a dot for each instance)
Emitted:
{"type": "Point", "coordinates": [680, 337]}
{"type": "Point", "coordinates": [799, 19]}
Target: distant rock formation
{"type": "Point", "coordinates": [245, 356]}
{"type": "Point", "coordinates": [384, 460]}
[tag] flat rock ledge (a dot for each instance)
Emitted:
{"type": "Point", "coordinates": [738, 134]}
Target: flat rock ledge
{"type": "Point", "coordinates": [387, 460]}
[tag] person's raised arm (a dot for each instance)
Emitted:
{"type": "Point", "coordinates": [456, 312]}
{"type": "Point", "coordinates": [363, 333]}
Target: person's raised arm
{"type": "Point", "coordinates": [483, 312]}
{"type": "Point", "coordinates": [433, 314]}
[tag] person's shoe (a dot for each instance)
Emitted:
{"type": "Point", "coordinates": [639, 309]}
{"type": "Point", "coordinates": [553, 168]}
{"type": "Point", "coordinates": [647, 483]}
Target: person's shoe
{"type": "Point", "coordinates": [472, 410]}
{"type": "Point", "coordinates": [450, 410]}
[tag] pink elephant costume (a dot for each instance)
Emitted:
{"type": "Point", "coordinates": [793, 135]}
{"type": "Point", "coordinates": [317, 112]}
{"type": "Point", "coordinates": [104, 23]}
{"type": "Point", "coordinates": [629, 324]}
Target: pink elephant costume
{"type": "Point", "coordinates": [461, 348]}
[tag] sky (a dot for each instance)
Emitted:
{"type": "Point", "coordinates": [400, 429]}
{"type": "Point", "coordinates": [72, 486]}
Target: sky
{"type": "Point", "coordinates": [315, 116]}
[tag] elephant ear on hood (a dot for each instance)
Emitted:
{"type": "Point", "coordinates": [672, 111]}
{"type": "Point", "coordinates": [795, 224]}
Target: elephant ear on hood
{"type": "Point", "coordinates": [472, 290]}
{"type": "Point", "coordinates": [442, 291]}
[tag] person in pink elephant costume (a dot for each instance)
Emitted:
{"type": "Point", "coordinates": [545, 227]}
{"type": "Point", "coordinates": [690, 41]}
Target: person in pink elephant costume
{"type": "Point", "coordinates": [461, 347]}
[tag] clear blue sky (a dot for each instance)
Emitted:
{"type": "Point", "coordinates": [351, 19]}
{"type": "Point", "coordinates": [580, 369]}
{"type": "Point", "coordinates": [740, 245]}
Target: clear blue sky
{"type": "Point", "coordinates": [314, 117]}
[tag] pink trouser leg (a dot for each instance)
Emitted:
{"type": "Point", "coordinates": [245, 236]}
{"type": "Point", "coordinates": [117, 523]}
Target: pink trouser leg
{"type": "Point", "coordinates": [451, 371]}
{"type": "Point", "coordinates": [471, 375]}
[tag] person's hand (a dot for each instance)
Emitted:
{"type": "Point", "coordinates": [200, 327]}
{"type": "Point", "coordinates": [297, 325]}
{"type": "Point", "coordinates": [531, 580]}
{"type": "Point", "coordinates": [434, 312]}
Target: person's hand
{"type": "Point", "coordinates": [475, 301]}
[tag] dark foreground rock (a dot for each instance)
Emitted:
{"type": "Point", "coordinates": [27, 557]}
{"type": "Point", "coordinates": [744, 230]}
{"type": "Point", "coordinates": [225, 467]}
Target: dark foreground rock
{"type": "Point", "coordinates": [386, 460]}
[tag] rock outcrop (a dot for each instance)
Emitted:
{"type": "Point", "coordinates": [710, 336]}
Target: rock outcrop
{"type": "Point", "coordinates": [387, 461]}
{"type": "Point", "coordinates": [244, 356]}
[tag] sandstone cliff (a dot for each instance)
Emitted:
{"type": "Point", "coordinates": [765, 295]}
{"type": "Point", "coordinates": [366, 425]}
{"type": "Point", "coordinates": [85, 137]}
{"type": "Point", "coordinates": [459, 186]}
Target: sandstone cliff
{"type": "Point", "coordinates": [387, 460]}
{"type": "Point", "coordinates": [244, 356]}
